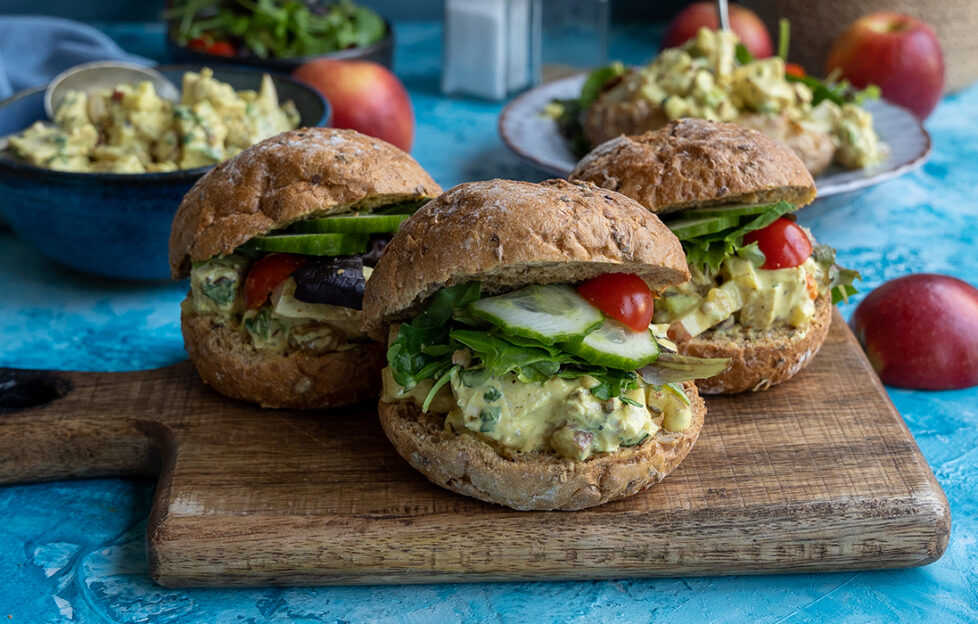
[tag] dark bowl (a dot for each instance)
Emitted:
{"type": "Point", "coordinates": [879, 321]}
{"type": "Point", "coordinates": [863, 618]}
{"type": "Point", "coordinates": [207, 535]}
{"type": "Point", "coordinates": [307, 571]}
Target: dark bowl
{"type": "Point", "coordinates": [113, 224]}
{"type": "Point", "coordinates": [379, 52]}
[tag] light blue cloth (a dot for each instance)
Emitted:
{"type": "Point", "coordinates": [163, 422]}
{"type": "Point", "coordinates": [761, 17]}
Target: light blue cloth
{"type": "Point", "coordinates": [33, 50]}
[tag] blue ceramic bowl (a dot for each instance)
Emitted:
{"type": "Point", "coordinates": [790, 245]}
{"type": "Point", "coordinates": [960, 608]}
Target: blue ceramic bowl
{"type": "Point", "coordinates": [113, 224]}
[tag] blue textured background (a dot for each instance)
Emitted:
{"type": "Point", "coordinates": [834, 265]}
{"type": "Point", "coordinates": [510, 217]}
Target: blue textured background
{"type": "Point", "coordinates": [74, 551]}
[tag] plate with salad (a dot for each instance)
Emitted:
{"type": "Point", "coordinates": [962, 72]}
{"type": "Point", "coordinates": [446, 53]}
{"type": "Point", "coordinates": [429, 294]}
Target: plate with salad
{"type": "Point", "coordinates": [848, 139]}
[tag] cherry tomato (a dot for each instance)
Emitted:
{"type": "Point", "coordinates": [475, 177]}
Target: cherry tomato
{"type": "Point", "coordinates": [198, 43]}
{"type": "Point", "coordinates": [222, 48]}
{"type": "Point", "coordinates": [784, 244]}
{"type": "Point", "coordinates": [621, 296]}
{"type": "Point", "coordinates": [794, 69]}
{"type": "Point", "coordinates": [266, 274]}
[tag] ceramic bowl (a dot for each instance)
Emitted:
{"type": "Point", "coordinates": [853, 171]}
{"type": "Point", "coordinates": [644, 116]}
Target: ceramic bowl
{"type": "Point", "coordinates": [112, 224]}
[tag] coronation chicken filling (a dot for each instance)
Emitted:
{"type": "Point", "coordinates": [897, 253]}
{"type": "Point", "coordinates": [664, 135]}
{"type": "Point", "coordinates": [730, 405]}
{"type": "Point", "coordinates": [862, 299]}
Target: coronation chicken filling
{"type": "Point", "coordinates": [559, 415]}
{"type": "Point", "coordinates": [130, 129]}
{"type": "Point", "coordinates": [282, 325]}
{"type": "Point", "coordinates": [742, 297]}
{"type": "Point", "coordinates": [702, 79]}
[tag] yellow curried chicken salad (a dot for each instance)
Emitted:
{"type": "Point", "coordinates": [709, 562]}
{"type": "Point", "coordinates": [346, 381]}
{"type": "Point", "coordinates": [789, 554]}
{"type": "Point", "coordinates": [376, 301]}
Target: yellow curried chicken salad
{"type": "Point", "coordinates": [131, 129]}
{"type": "Point", "coordinates": [713, 77]}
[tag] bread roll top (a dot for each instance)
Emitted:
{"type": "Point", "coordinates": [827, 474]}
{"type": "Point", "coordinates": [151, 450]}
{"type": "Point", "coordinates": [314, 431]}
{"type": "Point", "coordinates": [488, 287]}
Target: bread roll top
{"type": "Point", "coordinates": [694, 162]}
{"type": "Point", "coordinates": [507, 234]}
{"type": "Point", "coordinates": [294, 175]}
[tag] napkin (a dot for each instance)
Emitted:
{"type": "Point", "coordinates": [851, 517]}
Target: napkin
{"type": "Point", "coordinates": [33, 50]}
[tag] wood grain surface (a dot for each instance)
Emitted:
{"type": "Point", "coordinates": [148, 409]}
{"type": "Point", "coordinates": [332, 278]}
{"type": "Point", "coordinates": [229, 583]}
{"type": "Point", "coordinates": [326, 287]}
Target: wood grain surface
{"type": "Point", "coordinates": [819, 473]}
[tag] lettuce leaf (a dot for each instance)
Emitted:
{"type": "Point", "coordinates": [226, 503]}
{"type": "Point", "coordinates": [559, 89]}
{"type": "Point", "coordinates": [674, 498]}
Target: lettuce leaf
{"type": "Point", "coordinates": [840, 278]}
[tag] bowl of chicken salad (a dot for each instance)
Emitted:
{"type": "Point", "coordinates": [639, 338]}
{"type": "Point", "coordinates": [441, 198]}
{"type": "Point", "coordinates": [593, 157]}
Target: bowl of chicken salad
{"type": "Point", "coordinates": [96, 186]}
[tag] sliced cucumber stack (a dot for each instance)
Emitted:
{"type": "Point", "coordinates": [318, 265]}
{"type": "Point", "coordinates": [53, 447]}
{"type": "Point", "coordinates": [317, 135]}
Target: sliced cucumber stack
{"type": "Point", "coordinates": [734, 210]}
{"type": "Point", "coordinates": [351, 224]}
{"type": "Point", "coordinates": [693, 227]}
{"type": "Point", "coordinates": [548, 313]}
{"type": "Point", "coordinates": [311, 244]}
{"type": "Point", "coordinates": [616, 346]}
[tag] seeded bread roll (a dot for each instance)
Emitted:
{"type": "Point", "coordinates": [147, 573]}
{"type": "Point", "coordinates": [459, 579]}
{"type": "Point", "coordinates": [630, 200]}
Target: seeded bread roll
{"type": "Point", "coordinates": [294, 175]}
{"type": "Point", "coordinates": [538, 480]}
{"type": "Point", "coordinates": [507, 234]}
{"type": "Point", "coordinates": [692, 163]}
{"type": "Point", "coordinates": [226, 361]}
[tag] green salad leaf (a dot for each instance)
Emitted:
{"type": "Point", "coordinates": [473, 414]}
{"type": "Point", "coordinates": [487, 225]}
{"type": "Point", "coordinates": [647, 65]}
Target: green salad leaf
{"type": "Point", "coordinates": [840, 278]}
{"type": "Point", "coordinates": [277, 28]}
{"type": "Point", "coordinates": [569, 113]}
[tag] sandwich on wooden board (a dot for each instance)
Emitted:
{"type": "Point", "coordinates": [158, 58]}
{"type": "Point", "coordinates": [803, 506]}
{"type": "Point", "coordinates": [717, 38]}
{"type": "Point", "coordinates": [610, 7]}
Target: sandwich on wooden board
{"type": "Point", "coordinates": [522, 366]}
{"type": "Point", "coordinates": [761, 288]}
{"type": "Point", "coordinates": [278, 243]}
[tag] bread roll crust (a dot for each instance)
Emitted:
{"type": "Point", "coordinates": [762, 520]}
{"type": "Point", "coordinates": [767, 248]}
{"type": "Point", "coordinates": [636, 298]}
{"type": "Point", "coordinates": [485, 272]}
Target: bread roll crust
{"type": "Point", "coordinates": [539, 480]}
{"type": "Point", "coordinates": [761, 361]}
{"type": "Point", "coordinates": [234, 367]}
{"type": "Point", "coordinates": [293, 175]}
{"type": "Point", "coordinates": [694, 162]}
{"type": "Point", "coordinates": [507, 234]}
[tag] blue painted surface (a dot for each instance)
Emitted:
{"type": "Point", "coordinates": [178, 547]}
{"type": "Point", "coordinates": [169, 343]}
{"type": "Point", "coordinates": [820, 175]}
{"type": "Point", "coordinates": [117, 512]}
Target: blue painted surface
{"type": "Point", "coordinates": [73, 551]}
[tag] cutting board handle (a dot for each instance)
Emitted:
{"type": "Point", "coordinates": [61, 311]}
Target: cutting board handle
{"type": "Point", "coordinates": [66, 425]}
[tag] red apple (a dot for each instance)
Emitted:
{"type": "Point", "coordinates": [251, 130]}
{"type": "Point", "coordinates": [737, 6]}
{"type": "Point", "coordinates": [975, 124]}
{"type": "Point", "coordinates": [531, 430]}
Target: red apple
{"type": "Point", "coordinates": [365, 96]}
{"type": "Point", "coordinates": [744, 22]}
{"type": "Point", "coordinates": [921, 331]}
{"type": "Point", "coordinates": [896, 52]}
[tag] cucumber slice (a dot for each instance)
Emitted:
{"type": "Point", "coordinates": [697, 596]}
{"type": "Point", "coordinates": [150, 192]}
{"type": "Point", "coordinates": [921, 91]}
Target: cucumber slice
{"type": "Point", "coordinates": [616, 346]}
{"type": "Point", "coordinates": [551, 313]}
{"type": "Point", "coordinates": [311, 244]}
{"type": "Point", "coordinates": [686, 229]}
{"type": "Point", "coordinates": [734, 210]}
{"type": "Point", "coordinates": [351, 224]}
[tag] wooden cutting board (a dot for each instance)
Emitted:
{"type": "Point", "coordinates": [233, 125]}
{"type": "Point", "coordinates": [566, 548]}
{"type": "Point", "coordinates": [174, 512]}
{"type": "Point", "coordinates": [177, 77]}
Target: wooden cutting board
{"type": "Point", "coordinates": [819, 473]}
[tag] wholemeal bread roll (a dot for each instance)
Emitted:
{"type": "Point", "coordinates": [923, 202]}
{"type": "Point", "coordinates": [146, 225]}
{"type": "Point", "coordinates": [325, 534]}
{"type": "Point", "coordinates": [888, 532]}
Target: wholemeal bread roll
{"type": "Point", "coordinates": [298, 174]}
{"type": "Point", "coordinates": [538, 480]}
{"type": "Point", "coordinates": [508, 234]}
{"type": "Point", "coordinates": [762, 359]}
{"type": "Point", "coordinates": [294, 175]}
{"type": "Point", "coordinates": [228, 362]}
{"type": "Point", "coordinates": [691, 163]}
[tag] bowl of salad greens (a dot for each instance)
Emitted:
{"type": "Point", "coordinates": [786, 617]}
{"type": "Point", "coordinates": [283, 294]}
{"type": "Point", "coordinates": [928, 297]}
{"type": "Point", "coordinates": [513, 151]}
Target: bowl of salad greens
{"type": "Point", "coordinates": [279, 35]}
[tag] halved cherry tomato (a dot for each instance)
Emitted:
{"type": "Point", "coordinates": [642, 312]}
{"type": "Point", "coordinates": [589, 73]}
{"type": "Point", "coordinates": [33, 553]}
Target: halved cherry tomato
{"type": "Point", "coordinates": [794, 69]}
{"type": "Point", "coordinates": [784, 244]}
{"type": "Point", "coordinates": [621, 296]}
{"type": "Point", "coordinates": [266, 274]}
{"type": "Point", "coordinates": [222, 48]}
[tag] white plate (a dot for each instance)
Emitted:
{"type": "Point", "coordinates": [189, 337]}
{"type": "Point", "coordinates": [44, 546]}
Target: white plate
{"type": "Point", "coordinates": [534, 137]}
